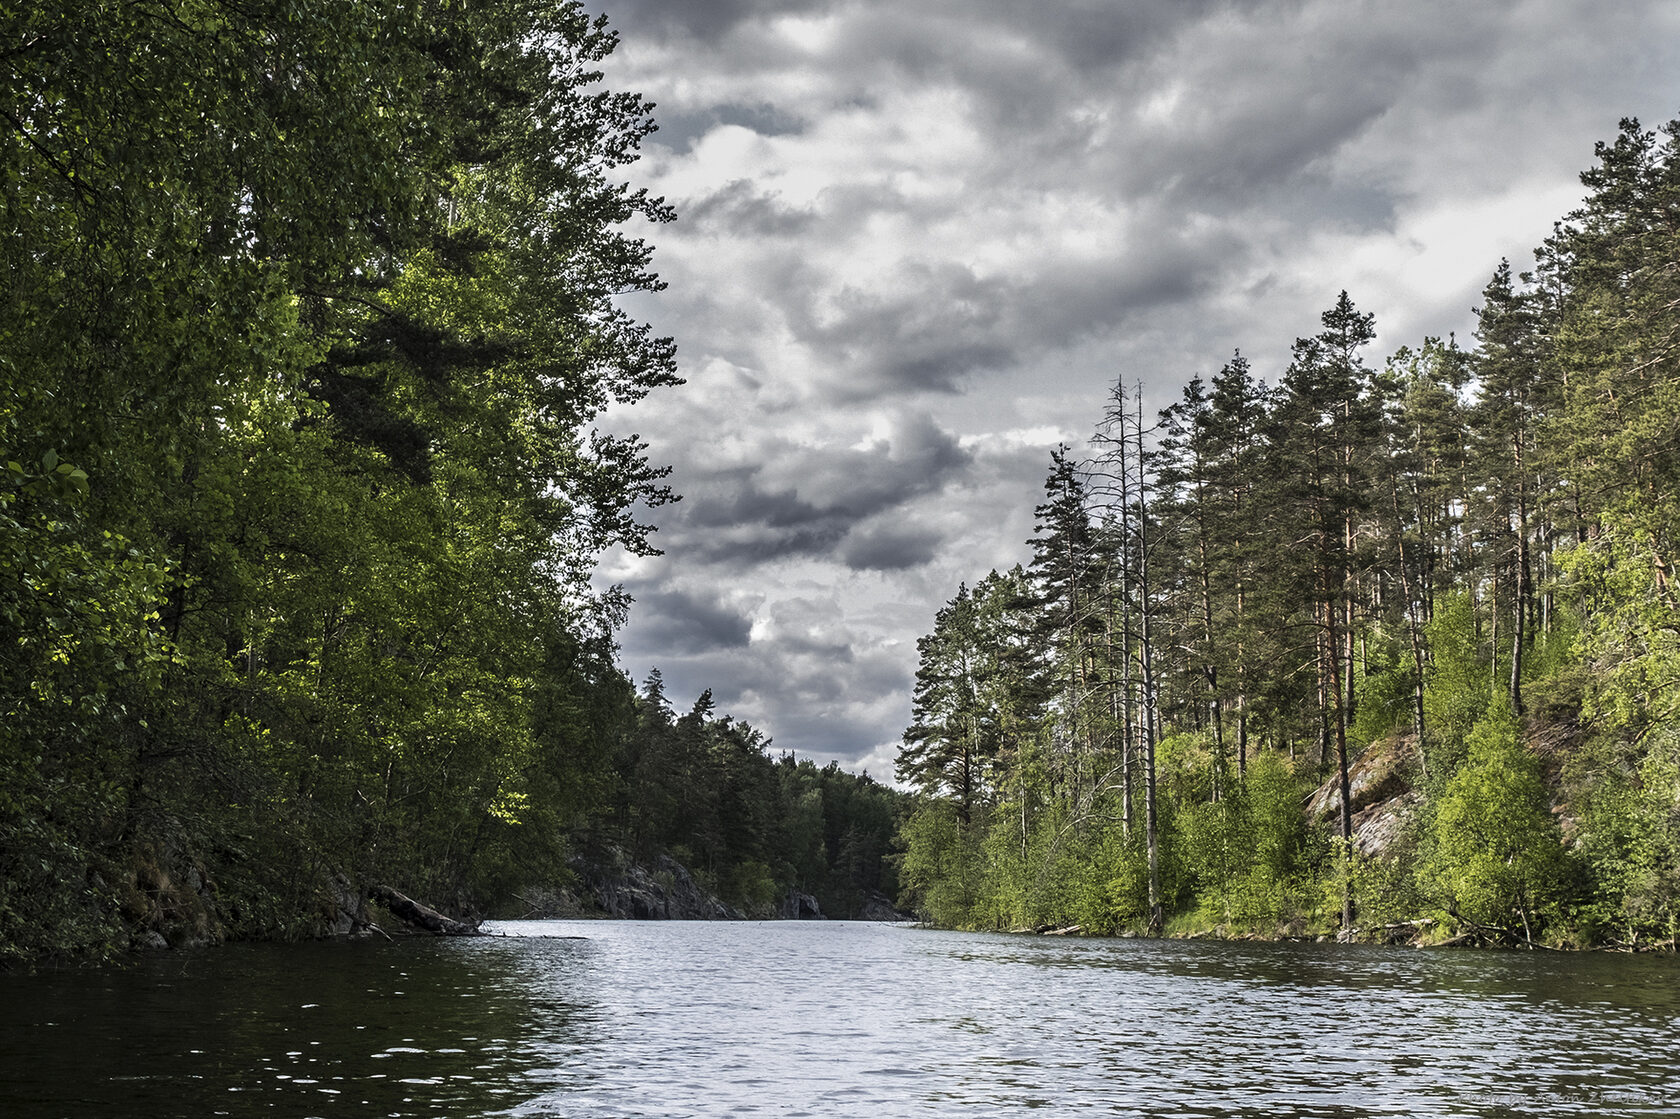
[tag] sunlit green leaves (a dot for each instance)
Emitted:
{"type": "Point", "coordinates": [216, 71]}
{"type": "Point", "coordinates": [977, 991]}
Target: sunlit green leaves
{"type": "Point", "coordinates": [309, 312]}
{"type": "Point", "coordinates": [1494, 854]}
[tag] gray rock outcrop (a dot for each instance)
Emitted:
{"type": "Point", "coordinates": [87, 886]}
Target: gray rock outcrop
{"type": "Point", "coordinates": [879, 907]}
{"type": "Point", "coordinates": [666, 891]}
{"type": "Point", "coordinates": [799, 907]}
{"type": "Point", "coordinates": [1384, 802]}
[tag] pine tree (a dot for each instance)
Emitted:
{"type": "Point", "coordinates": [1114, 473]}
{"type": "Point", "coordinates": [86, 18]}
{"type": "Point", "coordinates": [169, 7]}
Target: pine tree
{"type": "Point", "coordinates": [943, 750]}
{"type": "Point", "coordinates": [1065, 576]}
{"type": "Point", "coordinates": [1513, 401]}
{"type": "Point", "coordinates": [1235, 433]}
{"type": "Point", "coordinates": [1326, 417]}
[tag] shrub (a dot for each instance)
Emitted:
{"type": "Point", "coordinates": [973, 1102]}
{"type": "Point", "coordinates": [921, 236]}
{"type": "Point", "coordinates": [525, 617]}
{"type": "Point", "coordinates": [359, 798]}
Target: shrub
{"type": "Point", "coordinates": [1457, 692]}
{"type": "Point", "coordinates": [1494, 854]}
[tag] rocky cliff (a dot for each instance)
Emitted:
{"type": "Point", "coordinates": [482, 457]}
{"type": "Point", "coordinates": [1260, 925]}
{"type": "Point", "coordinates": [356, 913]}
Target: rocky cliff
{"type": "Point", "coordinates": [1383, 800]}
{"type": "Point", "coordinates": [664, 891]}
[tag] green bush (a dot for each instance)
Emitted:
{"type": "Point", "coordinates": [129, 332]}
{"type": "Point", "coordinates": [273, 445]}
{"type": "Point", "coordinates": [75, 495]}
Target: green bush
{"type": "Point", "coordinates": [1115, 890]}
{"type": "Point", "coordinates": [1184, 767]}
{"type": "Point", "coordinates": [1384, 692]}
{"type": "Point", "coordinates": [1457, 691]}
{"type": "Point", "coordinates": [1057, 851]}
{"type": "Point", "coordinates": [1218, 851]}
{"type": "Point", "coordinates": [1630, 836]}
{"type": "Point", "coordinates": [939, 875]}
{"type": "Point", "coordinates": [750, 886]}
{"type": "Point", "coordinates": [1385, 888]}
{"type": "Point", "coordinates": [1278, 829]}
{"type": "Point", "coordinates": [1494, 854]}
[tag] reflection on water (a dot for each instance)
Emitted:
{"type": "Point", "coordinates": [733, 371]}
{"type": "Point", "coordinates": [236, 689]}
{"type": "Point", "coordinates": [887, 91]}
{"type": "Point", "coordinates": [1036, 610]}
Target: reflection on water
{"type": "Point", "coordinates": [815, 1019]}
{"type": "Point", "coordinates": [414, 1028]}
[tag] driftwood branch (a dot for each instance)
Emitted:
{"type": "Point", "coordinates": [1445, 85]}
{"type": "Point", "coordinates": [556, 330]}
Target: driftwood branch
{"type": "Point", "coordinates": [1349, 936]}
{"type": "Point", "coordinates": [1492, 934]}
{"type": "Point", "coordinates": [420, 916]}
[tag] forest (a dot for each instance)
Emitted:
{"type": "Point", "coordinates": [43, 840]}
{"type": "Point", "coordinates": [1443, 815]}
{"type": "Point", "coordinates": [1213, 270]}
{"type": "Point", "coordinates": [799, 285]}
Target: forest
{"type": "Point", "coordinates": [311, 309]}
{"type": "Point", "coordinates": [311, 314]}
{"type": "Point", "coordinates": [1381, 647]}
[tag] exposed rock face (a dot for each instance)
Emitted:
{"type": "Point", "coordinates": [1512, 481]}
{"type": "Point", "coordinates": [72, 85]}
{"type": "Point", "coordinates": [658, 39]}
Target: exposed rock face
{"type": "Point", "coordinates": [664, 892]}
{"type": "Point", "coordinates": [800, 907]}
{"type": "Point", "coordinates": [608, 884]}
{"type": "Point", "coordinates": [1377, 827]}
{"type": "Point", "coordinates": [167, 899]}
{"type": "Point", "coordinates": [343, 910]}
{"type": "Point", "coordinates": [1377, 775]}
{"type": "Point", "coordinates": [1384, 802]}
{"type": "Point", "coordinates": [1383, 797]}
{"type": "Point", "coordinates": [879, 907]}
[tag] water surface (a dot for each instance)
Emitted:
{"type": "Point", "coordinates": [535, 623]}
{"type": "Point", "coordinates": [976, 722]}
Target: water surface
{"type": "Point", "coordinates": [840, 1019]}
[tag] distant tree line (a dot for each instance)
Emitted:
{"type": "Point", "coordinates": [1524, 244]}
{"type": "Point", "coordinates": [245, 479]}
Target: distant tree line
{"type": "Point", "coordinates": [705, 789]}
{"type": "Point", "coordinates": [1459, 558]}
{"type": "Point", "coordinates": [309, 311]}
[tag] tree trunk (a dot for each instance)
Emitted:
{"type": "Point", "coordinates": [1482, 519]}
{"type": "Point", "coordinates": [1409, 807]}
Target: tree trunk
{"type": "Point", "coordinates": [1524, 586]}
{"type": "Point", "coordinates": [1242, 692]}
{"type": "Point", "coordinates": [1347, 795]}
{"type": "Point", "coordinates": [1147, 662]}
{"type": "Point", "coordinates": [1324, 637]}
{"type": "Point", "coordinates": [1350, 589]}
{"type": "Point", "coordinates": [419, 916]}
{"type": "Point", "coordinates": [1414, 625]}
{"type": "Point", "coordinates": [1120, 701]}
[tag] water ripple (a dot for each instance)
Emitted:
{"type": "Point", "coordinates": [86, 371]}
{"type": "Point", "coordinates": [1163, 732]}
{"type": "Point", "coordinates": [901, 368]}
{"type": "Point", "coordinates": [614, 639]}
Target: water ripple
{"type": "Point", "coordinates": [781, 1019]}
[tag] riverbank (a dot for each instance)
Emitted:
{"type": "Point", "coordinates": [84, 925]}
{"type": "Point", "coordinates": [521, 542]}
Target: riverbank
{"type": "Point", "coordinates": [173, 901]}
{"type": "Point", "coordinates": [1425, 932]}
{"type": "Point", "coordinates": [608, 885]}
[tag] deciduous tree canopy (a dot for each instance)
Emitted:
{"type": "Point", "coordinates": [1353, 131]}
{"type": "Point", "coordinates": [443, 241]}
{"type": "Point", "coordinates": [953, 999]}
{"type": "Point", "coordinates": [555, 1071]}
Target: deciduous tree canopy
{"type": "Point", "coordinates": [310, 311]}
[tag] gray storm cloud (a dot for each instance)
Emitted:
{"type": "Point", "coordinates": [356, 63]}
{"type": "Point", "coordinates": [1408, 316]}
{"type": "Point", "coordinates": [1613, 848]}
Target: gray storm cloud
{"type": "Point", "coordinates": [917, 242]}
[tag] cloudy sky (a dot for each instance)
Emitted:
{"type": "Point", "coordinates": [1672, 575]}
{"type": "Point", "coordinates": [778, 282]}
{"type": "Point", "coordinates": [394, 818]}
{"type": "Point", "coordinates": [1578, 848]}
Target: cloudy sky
{"type": "Point", "coordinates": [919, 239]}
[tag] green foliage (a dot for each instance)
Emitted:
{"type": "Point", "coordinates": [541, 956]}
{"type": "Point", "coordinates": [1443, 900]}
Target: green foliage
{"type": "Point", "coordinates": [1279, 834]}
{"type": "Point", "coordinates": [939, 873]}
{"type": "Point", "coordinates": [750, 886]}
{"type": "Point", "coordinates": [1631, 639]}
{"type": "Point", "coordinates": [300, 500]}
{"type": "Point", "coordinates": [1184, 766]}
{"type": "Point", "coordinates": [1385, 888]}
{"type": "Point", "coordinates": [1252, 854]}
{"type": "Point", "coordinates": [1495, 527]}
{"type": "Point", "coordinates": [1554, 664]}
{"type": "Point", "coordinates": [1111, 885]}
{"type": "Point", "coordinates": [1629, 838]}
{"type": "Point", "coordinates": [1493, 854]}
{"type": "Point", "coordinates": [1118, 896]}
{"type": "Point", "coordinates": [976, 682]}
{"type": "Point", "coordinates": [1066, 871]}
{"type": "Point", "coordinates": [704, 789]}
{"type": "Point", "coordinates": [1384, 692]}
{"type": "Point", "coordinates": [1216, 851]}
{"type": "Point", "coordinates": [1457, 691]}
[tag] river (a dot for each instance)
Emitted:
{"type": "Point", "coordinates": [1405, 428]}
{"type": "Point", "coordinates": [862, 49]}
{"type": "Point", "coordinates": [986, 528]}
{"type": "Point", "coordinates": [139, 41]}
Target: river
{"type": "Point", "coordinates": [840, 1019]}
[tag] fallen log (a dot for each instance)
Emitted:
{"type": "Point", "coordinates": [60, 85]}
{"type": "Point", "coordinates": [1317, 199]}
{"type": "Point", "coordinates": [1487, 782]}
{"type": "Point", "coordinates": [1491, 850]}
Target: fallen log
{"type": "Point", "coordinates": [1353, 936]}
{"type": "Point", "coordinates": [420, 916]}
